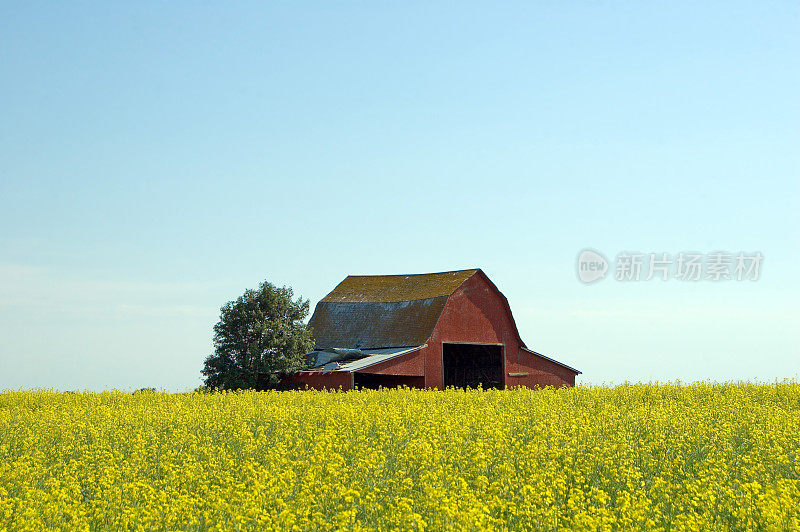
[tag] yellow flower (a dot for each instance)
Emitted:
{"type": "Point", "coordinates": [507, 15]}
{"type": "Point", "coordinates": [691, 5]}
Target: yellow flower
{"type": "Point", "coordinates": [649, 456]}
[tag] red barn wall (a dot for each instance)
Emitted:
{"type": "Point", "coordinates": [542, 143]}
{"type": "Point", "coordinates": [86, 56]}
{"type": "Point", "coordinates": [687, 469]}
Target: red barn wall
{"type": "Point", "coordinates": [320, 381]}
{"type": "Point", "coordinates": [478, 313]}
{"type": "Point", "coordinates": [541, 372]}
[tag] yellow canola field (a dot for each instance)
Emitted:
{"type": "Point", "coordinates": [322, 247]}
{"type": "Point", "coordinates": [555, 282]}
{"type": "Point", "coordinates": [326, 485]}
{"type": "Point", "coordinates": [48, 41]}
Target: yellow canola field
{"type": "Point", "coordinates": [656, 456]}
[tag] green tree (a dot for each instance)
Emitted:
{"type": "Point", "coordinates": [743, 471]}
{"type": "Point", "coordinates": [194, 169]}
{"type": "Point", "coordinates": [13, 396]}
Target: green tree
{"type": "Point", "coordinates": [259, 336]}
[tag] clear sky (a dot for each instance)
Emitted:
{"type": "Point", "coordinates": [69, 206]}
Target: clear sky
{"type": "Point", "coordinates": [157, 158]}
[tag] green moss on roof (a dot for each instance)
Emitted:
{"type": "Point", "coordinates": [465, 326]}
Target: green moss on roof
{"type": "Point", "coordinates": [394, 288]}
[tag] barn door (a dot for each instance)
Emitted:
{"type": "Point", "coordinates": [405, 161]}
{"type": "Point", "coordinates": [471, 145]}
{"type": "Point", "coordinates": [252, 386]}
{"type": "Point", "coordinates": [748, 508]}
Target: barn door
{"type": "Point", "coordinates": [472, 365]}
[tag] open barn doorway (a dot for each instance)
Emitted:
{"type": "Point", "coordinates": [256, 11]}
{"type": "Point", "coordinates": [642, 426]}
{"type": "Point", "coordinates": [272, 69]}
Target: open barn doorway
{"type": "Point", "coordinates": [471, 365]}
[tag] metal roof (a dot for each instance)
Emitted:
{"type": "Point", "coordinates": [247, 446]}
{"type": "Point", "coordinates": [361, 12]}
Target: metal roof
{"type": "Point", "coordinates": [359, 359]}
{"type": "Point", "coordinates": [375, 311]}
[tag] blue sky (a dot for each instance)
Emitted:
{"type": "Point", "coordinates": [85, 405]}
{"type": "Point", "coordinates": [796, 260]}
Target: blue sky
{"type": "Point", "coordinates": [156, 159]}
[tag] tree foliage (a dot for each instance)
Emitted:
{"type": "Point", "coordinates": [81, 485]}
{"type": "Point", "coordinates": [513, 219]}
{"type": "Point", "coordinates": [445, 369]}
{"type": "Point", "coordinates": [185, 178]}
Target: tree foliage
{"type": "Point", "coordinates": [259, 336]}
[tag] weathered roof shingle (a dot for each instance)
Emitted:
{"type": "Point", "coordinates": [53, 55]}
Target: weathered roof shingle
{"type": "Point", "coordinates": [375, 311]}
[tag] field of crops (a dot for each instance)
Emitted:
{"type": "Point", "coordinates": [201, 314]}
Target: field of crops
{"type": "Point", "coordinates": [643, 456]}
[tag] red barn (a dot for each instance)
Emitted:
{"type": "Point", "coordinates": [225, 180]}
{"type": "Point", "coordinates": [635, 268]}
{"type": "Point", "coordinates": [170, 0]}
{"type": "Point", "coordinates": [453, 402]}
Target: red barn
{"type": "Point", "coordinates": [430, 330]}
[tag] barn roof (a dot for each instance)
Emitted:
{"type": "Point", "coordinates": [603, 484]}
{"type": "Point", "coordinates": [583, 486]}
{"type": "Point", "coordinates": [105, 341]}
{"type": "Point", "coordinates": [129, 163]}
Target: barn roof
{"type": "Point", "coordinates": [378, 311]}
{"type": "Point", "coordinates": [394, 288]}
